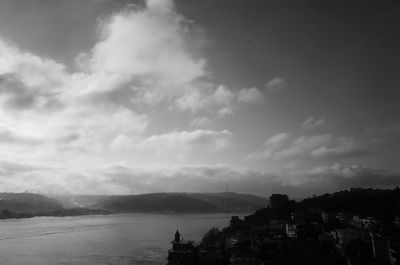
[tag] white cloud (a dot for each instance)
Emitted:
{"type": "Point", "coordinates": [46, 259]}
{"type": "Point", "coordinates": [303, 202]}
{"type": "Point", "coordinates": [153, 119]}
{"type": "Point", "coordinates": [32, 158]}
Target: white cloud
{"type": "Point", "coordinates": [312, 123]}
{"type": "Point", "coordinates": [270, 146]}
{"type": "Point", "coordinates": [276, 140]}
{"type": "Point", "coordinates": [121, 178]}
{"type": "Point", "coordinates": [283, 146]}
{"type": "Point", "coordinates": [342, 147]}
{"type": "Point", "coordinates": [62, 126]}
{"type": "Point", "coordinates": [223, 96]}
{"type": "Point", "coordinates": [200, 122]}
{"type": "Point", "coordinates": [172, 147]}
{"type": "Point", "coordinates": [250, 95]}
{"type": "Point", "coordinates": [184, 141]}
{"type": "Point", "coordinates": [28, 81]}
{"type": "Point", "coordinates": [149, 42]}
{"type": "Point", "coordinates": [350, 176]}
{"type": "Point", "coordinates": [147, 56]}
{"type": "Point", "coordinates": [303, 145]}
{"type": "Point", "coordinates": [224, 112]}
{"type": "Point", "coordinates": [144, 58]}
{"type": "Point", "coordinates": [39, 74]}
{"type": "Point", "coordinates": [276, 84]}
{"type": "Point", "coordinates": [9, 136]}
{"type": "Point", "coordinates": [45, 106]}
{"type": "Point", "coordinates": [205, 99]}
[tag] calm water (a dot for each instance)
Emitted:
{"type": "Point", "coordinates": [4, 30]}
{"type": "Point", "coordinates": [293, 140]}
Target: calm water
{"type": "Point", "coordinates": [94, 240]}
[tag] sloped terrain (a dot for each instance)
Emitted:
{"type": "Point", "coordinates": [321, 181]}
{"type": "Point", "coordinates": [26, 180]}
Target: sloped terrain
{"type": "Point", "coordinates": [28, 203]}
{"type": "Point", "coordinates": [182, 203]}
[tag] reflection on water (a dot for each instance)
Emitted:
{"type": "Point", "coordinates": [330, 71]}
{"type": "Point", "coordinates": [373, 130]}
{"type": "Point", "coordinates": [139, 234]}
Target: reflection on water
{"type": "Point", "coordinates": [113, 239]}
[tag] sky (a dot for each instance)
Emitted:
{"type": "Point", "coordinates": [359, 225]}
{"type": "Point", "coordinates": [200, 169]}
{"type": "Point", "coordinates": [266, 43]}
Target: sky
{"type": "Point", "coordinates": [120, 97]}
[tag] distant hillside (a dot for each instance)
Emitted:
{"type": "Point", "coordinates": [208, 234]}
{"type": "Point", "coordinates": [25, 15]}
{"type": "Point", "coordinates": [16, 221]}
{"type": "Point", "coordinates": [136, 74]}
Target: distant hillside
{"type": "Point", "coordinates": [28, 203]}
{"type": "Point", "coordinates": [182, 203]}
{"type": "Point", "coordinates": [373, 202]}
{"type": "Point", "coordinates": [233, 202]}
{"type": "Point", "coordinates": [74, 201]}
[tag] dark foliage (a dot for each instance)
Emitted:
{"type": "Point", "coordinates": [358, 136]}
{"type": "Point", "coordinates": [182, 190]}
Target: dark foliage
{"type": "Point", "coordinates": [383, 204]}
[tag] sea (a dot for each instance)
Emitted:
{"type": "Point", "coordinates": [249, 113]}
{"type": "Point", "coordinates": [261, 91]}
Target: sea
{"type": "Point", "coordinates": [117, 239]}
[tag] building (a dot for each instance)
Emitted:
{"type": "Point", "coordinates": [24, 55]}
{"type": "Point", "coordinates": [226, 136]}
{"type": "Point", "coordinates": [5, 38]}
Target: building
{"type": "Point", "coordinates": [359, 252]}
{"type": "Point", "coordinates": [257, 228]}
{"type": "Point", "coordinates": [277, 226]}
{"type": "Point", "coordinates": [396, 222]}
{"type": "Point", "coordinates": [231, 241]}
{"type": "Point", "coordinates": [235, 222]}
{"type": "Point", "coordinates": [328, 217]}
{"type": "Point", "coordinates": [344, 218]}
{"type": "Point", "coordinates": [326, 237]}
{"type": "Point", "coordinates": [183, 252]}
{"type": "Point", "coordinates": [362, 222]}
{"type": "Point", "coordinates": [372, 250]}
{"type": "Point", "coordinates": [345, 235]}
{"type": "Point", "coordinates": [299, 218]}
{"type": "Point", "coordinates": [384, 255]}
{"type": "Point", "coordinates": [279, 202]}
{"type": "Point", "coordinates": [291, 230]}
{"type": "Point", "coordinates": [212, 255]}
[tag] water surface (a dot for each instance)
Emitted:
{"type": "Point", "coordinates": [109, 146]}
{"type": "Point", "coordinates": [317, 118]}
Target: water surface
{"type": "Point", "coordinates": [94, 240]}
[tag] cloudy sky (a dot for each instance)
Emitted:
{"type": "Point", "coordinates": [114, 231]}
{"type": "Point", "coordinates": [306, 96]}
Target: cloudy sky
{"type": "Point", "coordinates": [105, 97]}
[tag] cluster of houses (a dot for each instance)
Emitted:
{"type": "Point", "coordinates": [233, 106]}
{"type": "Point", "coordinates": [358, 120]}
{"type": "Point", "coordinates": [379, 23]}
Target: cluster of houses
{"type": "Point", "coordinates": [280, 234]}
{"type": "Point", "coordinates": [362, 237]}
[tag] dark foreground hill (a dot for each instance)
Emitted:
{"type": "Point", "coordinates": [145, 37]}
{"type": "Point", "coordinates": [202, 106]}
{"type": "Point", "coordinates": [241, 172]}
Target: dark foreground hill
{"type": "Point", "coordinates": [182, 203]}
{"type": "Point", "coordinates": [28, 203]}
{"type": "Point", "coordinates": [370, 202]}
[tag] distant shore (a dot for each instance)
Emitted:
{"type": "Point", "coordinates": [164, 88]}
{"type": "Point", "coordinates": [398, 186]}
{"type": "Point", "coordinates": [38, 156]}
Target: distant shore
{"type": "Point", "coordinates": [6, 214]}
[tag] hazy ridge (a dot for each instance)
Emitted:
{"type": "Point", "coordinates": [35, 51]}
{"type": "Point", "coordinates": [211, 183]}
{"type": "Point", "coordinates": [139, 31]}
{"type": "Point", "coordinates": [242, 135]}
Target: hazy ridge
{"type": "Point", "coordinates": [183, 203]}
{"type": "Point", "coordinates": [28, 203]}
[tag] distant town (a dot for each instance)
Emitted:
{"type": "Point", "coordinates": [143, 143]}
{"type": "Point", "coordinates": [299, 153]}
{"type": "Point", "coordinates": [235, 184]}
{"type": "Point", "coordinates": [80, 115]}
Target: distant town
{"type": "Point", "coordinates": [352, 227]}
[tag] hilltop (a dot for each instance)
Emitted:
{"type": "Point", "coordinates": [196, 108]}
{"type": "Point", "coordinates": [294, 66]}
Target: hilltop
{"type": "Point", "coordinates": [28, 203]}
{"type": "Point", "coordinates": [62, 205]}
{"type": "Point", "coordinates": [182, 203]}
{"type": "Point", "coordinates": [72, 201]}
{"type": "Point", "coordinates": [369, 202]}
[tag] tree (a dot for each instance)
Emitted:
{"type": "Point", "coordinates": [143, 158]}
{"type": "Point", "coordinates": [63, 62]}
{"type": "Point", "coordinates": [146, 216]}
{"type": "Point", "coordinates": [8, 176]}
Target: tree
{"type": "Point", "coordinates": [211, 237]}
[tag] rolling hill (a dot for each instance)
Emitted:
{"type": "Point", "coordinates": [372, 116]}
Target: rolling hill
{"type": "Point", "coordinates": [28, 203]}
{"type": "Point", "coordinates": [182, 203]}
{"type": "Point", "coordinates": [384, 204]}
